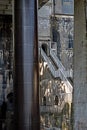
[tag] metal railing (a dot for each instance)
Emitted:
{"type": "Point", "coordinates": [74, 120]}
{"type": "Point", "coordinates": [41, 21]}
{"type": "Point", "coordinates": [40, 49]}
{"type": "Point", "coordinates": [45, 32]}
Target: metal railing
{"type": "Point", "coordinates": [62, 71]}
{"type": "Point", "coordinates": [68, 73]}
{"type": "Point", "coordinates": [50, 65]}
{"type": "Point", "coordinates": [57, 73]}
{"type": "Point", "coordinates": [57, 61]}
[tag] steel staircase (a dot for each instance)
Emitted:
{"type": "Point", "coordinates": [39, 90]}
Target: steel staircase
{"type": "Point", "coordinates": [59, 64]}
{"type": "Point", "coordinates": [55, 73]}
{"type": "Point", "coordinates": [60, 72]}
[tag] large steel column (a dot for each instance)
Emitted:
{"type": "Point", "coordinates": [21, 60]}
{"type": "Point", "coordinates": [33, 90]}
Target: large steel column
{"type": "Point", "coordinates": [80, 66]}
{"type": "Point", "coordinates": [26, 77]}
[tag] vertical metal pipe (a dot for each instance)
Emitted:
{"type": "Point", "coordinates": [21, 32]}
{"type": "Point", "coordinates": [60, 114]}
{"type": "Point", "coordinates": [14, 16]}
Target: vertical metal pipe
{"type": "Point", "coordinates": [26, 74]}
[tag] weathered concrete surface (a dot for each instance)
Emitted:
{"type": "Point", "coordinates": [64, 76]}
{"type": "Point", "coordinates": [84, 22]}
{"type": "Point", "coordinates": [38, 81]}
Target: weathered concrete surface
{"type": "Point", "coordinates": [80, 67]}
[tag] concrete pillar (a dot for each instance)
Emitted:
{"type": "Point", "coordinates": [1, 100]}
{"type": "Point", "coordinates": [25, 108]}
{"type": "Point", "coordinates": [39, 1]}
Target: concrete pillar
{"type": "Point", "coordinates": [26, 78]}
{"type": "Point", "coordinates": [80, 67]}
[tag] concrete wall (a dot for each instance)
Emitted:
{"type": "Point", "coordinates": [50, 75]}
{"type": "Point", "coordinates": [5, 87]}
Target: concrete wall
{"type": "Point", "coordinates": [80, 67]}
